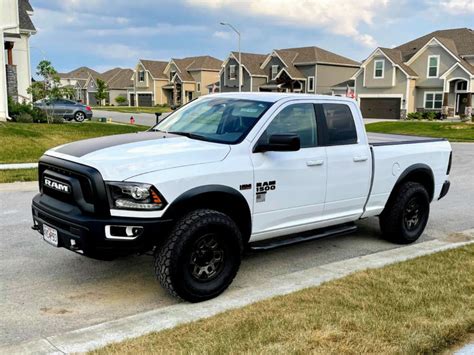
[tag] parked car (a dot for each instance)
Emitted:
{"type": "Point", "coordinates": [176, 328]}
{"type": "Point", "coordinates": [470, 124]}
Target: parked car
{"type": "Point", "coordinates": [235, 171]}
{"type": "Point", "coordinates": [65, 108]}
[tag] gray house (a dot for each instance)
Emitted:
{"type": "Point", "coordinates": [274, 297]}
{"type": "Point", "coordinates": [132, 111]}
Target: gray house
{"type": "Point", "coordinates": [83, 81]}
{"type": "Point", "coordinates": [431, 73]}
{"type": "Point", "coordinates": [119, 83]}
{"type": "Point", "coordinates": [304, 70]}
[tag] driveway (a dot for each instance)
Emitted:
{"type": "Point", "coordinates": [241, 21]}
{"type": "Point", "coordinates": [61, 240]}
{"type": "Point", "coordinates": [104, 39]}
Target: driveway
{"type": "Point", "coordinates": [46, 291]}
{"type": "Point", "coordinates": [145, 119]}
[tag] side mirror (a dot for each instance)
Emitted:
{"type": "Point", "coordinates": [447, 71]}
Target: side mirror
{"type": "Point", "coordinates": [280, 143]}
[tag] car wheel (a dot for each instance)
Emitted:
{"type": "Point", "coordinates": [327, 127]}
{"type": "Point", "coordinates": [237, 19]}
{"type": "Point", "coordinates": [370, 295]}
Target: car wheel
{"type": "Point", "coordinates": [79, 116]}
{"type": "Point", "coordinates": [406, 214]}
{"type": "Point", "coordinates": [201, 256]}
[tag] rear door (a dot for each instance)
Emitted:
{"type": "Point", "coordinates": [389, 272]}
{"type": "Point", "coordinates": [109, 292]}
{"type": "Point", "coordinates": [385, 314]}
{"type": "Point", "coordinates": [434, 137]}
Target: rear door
{"type": "Point", "coordinates": [290, 187]}
{"type": "Point", "coordinates": [349, 166]}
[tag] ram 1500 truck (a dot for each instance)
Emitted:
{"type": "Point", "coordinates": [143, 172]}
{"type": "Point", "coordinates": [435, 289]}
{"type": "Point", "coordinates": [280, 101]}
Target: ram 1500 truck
{"type": "Point", "coordinates": [230, 172]}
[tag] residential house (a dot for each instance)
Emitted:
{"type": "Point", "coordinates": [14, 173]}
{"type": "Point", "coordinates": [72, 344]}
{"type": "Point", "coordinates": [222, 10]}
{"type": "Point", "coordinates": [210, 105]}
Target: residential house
{"type": "Point", "coordinates": [189, 78]}
{"type": "Point", "coordinates": [119, 83]}
{"type": "Point", "coordinates": [83, 81]}
{"type": "Point", "coordinates": [253, 76]}
{"type": "Point", "coordinates": [303, 70]}
{"type": "Point", "coordinates": [16, 28]}
{"type": "Point", "coordinates": [434, 72]}
{"type": "Point", "coordinates": [148, 80]}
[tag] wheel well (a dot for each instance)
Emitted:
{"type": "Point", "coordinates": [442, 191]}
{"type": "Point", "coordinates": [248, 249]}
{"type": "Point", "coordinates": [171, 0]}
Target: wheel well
{"type": "Point", "coordinates": [422, 175]}
{"type": "Point", "coordinates": [230, 203]}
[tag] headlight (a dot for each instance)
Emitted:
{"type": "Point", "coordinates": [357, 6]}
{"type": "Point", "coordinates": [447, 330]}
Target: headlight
{"type": "Point", "coordinates": [134, 196]}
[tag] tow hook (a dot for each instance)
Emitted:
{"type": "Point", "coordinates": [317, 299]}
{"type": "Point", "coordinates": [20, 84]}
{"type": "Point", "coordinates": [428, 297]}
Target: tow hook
{"type": "Point", "coordinates": [35, 227]}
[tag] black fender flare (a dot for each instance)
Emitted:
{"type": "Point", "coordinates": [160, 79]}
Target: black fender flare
{"type": "Point", "coordinates": [417, 170]}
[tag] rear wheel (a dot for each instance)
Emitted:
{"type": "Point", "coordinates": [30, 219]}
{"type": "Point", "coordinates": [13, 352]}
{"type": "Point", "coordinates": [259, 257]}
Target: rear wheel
{"type": "Point", "coordinates": [79, 116]}
{"type": "Point", "coordinates": [201, 256]}
{"type": "Point", "coordinates": [406, 214]}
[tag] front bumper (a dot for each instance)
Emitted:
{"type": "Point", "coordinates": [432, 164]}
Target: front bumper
{"type": "Point", "coordinates": [86, 234]}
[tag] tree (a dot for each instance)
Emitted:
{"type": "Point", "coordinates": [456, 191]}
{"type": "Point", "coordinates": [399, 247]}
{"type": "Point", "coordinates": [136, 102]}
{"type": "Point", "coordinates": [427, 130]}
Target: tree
{"type": "Point", "coordinates": [102, 91]}
{"type": "Point", "coordinates": [48, 88]}
{"type": "Point", "coordinates": [120, 100]}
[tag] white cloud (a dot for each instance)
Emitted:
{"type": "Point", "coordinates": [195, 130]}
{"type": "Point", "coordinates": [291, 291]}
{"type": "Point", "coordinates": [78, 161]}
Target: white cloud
{"type": "Point", "coordinates": [341, 17]}
{"type": "Point", "coordinates": [221, 34]}
{"type": "Point", "coordinates": [120, 51]}
{"type": "Point", "coordinates": [457, 7]}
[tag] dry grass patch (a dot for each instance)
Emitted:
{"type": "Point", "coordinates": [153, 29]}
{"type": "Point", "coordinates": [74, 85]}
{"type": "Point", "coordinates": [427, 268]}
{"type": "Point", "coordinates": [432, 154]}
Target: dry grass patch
{"type": "Point", "coordinates": [420, 306]}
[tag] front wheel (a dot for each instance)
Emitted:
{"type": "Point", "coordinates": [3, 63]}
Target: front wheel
{"type": "Point", "coordinates": [79, 116]}
{"type": "Point", "coordinates": [201, 256]}
{"type": "Point", "coordinates": [406, 214]}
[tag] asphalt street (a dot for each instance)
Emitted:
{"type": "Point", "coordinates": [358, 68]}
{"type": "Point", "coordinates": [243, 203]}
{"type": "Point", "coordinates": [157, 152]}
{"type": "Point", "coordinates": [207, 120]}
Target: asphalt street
{"type": "Point", "coordinates": [145, 119]}
{"type": "Point", "coordinates": [46, 291]}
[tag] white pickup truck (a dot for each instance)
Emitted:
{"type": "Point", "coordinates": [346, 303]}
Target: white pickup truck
{"type": "Point", "coordinates": [230, 172]}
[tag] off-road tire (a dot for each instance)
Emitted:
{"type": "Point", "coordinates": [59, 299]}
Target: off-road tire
{"type": "Point", "coordinates": [79, 116]}
{"type": "Point", "coordinates": [392, 220]}
{"type": "Point", "coordinates": [172, 259]}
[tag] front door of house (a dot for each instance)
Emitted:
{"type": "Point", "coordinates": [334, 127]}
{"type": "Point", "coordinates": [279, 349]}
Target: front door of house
{"type": "Point", "coordinates": [461, 103]}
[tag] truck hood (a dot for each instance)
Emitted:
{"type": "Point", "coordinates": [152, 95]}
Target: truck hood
{"type": "Point", "coordinates": [123, 156]}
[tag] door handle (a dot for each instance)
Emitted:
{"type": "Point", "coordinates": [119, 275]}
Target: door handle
{"type": "Point", "coordinates": [315, 162]}
{"type": "Point", "coordinates": [361, 158]}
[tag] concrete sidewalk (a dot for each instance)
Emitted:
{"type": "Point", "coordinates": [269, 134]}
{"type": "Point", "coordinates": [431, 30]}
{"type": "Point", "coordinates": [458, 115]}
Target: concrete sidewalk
{"type": "Point", "coordinates": [18, 166]}
{"type": "Point", "coordinates": [99, 335]}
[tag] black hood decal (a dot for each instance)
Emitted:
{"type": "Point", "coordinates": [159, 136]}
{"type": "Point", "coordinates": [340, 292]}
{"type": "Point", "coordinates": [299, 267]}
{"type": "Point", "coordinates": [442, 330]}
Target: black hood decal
{"type": "Point", "coordinates": [81, 148]}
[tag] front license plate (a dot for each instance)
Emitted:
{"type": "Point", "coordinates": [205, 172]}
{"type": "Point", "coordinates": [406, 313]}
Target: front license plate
{"type": "Point", "coordinates": [50, 235]}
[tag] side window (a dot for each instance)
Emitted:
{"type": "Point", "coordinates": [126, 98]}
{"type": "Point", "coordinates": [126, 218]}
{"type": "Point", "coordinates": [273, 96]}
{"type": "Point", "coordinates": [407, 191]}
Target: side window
{"type": "Point", "coordinates": [340, 124]}
{"type": "Point", "coordinates": [298, 119]}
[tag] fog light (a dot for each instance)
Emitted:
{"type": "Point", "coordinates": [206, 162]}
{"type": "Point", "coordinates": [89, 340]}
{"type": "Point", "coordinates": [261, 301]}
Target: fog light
{"type": "Point", "coordinates": [123, 232]}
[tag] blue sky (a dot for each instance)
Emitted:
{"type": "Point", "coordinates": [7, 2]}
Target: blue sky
{"type": "Point", "coordinates": [103, 34]}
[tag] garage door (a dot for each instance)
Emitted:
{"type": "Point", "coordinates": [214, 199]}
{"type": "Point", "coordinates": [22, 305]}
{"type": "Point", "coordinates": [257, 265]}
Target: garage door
{"type": "Point", "coordinates": [145, 100]}
{"type": "Point", "coordinates": [380, 108]}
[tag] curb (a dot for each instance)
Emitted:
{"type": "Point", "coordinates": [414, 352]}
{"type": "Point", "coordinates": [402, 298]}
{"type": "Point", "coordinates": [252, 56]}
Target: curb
{"type": "Point", "coordinates": [93, 337]}
{"type": "Point", "coordinates": [18, 166]}
{"type": "Point", "coordinates": [19, 186]}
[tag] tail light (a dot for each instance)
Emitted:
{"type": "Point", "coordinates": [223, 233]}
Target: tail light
{"type": "Point", "coordinates": [88, 108]}
{"type": "Point", "coordinates": [449, 163]}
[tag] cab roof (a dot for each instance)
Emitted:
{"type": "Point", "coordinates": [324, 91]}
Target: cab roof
{"type": "Point", "coordinates": [277, 96]}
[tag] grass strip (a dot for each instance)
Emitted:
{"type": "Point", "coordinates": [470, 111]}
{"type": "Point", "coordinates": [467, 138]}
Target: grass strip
{"type": "Point", "coordinates": [419, 306]}
{"type": "Point", "coordinates": [16, 175]}
{"type": "Point", "coordinates": [127, 109]}
{"type": "Point", "coordinates": [26, 142]}
{"type": "Point", "coordinates": [455, 132]}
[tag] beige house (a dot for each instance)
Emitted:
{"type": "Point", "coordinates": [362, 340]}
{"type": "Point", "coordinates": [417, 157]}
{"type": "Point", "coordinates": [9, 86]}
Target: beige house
{"type": "Point", "coordinates": [16, 28]}
{"type": "Point", "coordinates": [303, 69]}
{"type": "Point", "coordinates": [119, 83]}
{"type": "Point", "coordinates": [175, 82]}
{"type": "Point", "coordinates": [432, 73]}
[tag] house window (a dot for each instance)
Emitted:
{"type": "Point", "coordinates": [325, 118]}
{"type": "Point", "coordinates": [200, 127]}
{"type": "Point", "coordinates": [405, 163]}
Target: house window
{"type": "Point", "coordinates": [433, 66]}
{"type": "Point", "coordinates": [274, 71]}
{"type": "Point", "coordinates": [141, 76]}
{"type": "Point", "coordinates": [232, 75]}
{"type": "Point", "coordinates": [310, 84]}
{"type": "Point", "coordinates": [379, 68]}
{"type": "Point", "coordinates": [172, 74]}
{"type": "Point", "coordinates": [198, 86]}
{"type": "Point", "coordinates": [433, 100]}
{"type": "Point", "coordinates": [461, 85]}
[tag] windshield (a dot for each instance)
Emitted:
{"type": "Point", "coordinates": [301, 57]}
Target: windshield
{"type": "Point", "coordinates": [221, 120]}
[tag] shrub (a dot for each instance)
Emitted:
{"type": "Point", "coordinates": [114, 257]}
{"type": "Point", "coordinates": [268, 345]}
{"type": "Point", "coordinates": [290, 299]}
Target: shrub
{"type": "Point", "coordinates": [430, 115]}
{"type": "Point", "coordinates": [24, 117]}
{"type": "Point", "coordinates": [414, 116]}
{"type": "Point", "coordinates": [57, 120]}
{"type": "Point", "coordinates": [120, 100]}
{"type": "Point", "coordinates": [39, 116]}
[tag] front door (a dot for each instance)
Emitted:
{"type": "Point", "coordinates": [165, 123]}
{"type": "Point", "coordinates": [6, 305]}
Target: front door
{"type": "Point", "coordinates": [461, 104]}
{"type": "Point", "coordinates": [290, 187]}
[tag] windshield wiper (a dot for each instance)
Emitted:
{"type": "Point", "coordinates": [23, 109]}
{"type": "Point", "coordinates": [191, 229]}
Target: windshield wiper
{"type": "Point", "coordinates": [189, 135]}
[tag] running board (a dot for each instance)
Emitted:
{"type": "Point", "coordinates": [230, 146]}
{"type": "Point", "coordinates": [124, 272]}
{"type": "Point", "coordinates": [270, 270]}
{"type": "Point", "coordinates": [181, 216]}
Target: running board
{"type": "Point", "coordinates": [302, 237]}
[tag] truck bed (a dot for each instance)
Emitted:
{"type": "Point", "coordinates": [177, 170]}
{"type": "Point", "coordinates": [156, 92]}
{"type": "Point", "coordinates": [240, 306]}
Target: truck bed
{"type": "Point", "coordinates": [378, 139]}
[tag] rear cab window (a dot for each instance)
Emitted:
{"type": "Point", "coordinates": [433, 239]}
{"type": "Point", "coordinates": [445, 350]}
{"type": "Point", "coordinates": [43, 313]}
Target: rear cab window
{"type": "Point", "coordinates": [339, 122]}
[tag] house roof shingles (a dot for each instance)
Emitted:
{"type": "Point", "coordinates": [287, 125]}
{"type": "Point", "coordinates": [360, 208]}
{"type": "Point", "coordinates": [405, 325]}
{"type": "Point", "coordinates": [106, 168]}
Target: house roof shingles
{"type": "Point", "coordinates": [396, 56]}
{"type": "Point", "coordinates": [317, 55]}
{"type": "Point", "coordinates": [122, 79]}
{"type": "Point", "coordinates": [26, 24]}
{"type": "Point", "coordinates": [185, 65]}
{"type": "Point", "coordinates": [252, 62]}
{"type": "Point", "coordinates": [155, 67]}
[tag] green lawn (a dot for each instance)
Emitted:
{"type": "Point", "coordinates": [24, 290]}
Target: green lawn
{"type": "Point", "coordinates": [127, 109]}
{"type": "Point", "coordinates": [26, 142]}
{"type": "Point", "coordinates": [16, 175]}
{"type": "Point", "coordinates": [456, 132]}
{"type": "Point", "coordinates": [421, 306]}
